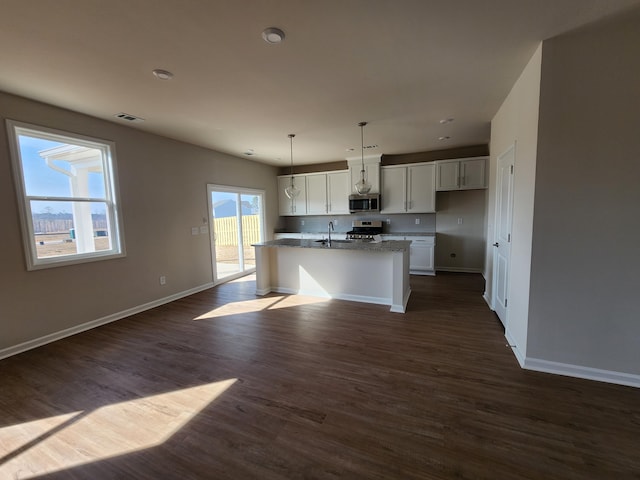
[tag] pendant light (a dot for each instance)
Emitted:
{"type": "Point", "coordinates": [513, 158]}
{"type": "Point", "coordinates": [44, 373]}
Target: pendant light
{"type": "Point", "coordinates": [362, 187]}
{"type": "Point", "coordinates": [292, 191]}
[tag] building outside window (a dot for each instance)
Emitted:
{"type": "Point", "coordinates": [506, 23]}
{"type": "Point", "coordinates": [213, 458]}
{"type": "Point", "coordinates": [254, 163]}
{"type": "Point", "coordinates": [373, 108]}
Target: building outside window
{"type": "Point", "coordinates": [66, 184]}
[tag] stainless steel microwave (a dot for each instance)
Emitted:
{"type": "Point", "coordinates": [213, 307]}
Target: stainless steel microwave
{"type": "Point", "coordinates": [364, 203]}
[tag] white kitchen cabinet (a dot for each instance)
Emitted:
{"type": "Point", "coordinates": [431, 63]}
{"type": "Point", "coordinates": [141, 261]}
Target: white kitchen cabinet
{"type": "Point", "coordinates": [394, 190]}
{"type": "Point", "coordinates": [279, 236]}
{"type": "Point", "coordinates": [462, 174]}
{"type": "Point", "coordinates": [421, 253]}
{"type": "Point", "coordinates": [421, 258]}
{"type": "Point", "coordinates": [371, 171]}
{"type": "Point", "coordinates": [408, 188]}
{"type": "Point", "coordinates": [288, 206]}
{"type": "Point", "coordinates": [338, 191]}
{"type": "Point", "coordinates": [421, 192]}
{"type": "Point", "coordinates": [316, 194]}
{"type": "Point", "coordinates": [328, 193]}
{"type": "Point", "coordinates": [320, 194]}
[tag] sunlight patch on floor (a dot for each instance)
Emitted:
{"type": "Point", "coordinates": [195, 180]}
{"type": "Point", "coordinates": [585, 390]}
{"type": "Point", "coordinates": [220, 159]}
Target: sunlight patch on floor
{"type": "Point", "coordinates": [31, 449]}
{"type": "Point", "coordinates": [259, 304]}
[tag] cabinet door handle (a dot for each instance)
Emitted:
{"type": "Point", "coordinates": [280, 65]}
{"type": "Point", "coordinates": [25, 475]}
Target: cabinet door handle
{"type": "Point", "coordinates": [496, 244]}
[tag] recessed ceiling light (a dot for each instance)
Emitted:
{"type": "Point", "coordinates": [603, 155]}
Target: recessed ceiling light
{"type": "Point", "coordinates": [273, 35]}
{"type": "Point", "coordinates": [446, 120]}
{"type": "Point", "coordinates": [163, 74]}
{"type": "Point", "coordinates": [445, 137]}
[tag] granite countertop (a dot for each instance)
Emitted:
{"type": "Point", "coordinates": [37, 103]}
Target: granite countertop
{"type": "Point", "coordinates": [401, 234]}
{"type": "Point", "coordinates": [411, 234]}
{"type": "Point", "coordinates": [384, 246]}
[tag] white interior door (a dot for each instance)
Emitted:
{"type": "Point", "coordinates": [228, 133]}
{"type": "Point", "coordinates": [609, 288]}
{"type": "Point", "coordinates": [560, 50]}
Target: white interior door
{"type": "Point", "coordinates": [502, 234]}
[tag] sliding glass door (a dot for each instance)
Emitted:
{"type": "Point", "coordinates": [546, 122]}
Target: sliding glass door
{"type": "Point", "coordinates": [237, 221]}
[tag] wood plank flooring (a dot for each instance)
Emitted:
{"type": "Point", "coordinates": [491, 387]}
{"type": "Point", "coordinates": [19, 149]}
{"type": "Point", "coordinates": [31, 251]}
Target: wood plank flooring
{"type": "Point", "coordinates": [227, 385]}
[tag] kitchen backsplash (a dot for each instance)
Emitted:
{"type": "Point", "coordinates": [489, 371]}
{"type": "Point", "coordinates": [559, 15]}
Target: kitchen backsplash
{"type": "Point", "coordinates": [342, 223]}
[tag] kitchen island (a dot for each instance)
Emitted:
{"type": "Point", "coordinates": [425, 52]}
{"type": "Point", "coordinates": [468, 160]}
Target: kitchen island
{"type": "Point", "coordinates": [370, 272]}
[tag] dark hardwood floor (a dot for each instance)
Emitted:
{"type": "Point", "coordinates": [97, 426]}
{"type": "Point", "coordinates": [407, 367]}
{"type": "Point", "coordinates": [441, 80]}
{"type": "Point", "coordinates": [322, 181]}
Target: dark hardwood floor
{"type": "Point", "coordinates": [227, 385]}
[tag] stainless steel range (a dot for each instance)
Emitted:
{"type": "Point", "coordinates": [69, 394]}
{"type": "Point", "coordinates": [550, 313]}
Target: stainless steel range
{"type": "Point", "coordinates": [364, 230]}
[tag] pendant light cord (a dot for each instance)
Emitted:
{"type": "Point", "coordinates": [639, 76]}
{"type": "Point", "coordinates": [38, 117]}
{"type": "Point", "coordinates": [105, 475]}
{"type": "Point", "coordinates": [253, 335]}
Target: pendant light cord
{"type": "Point", "coordinates": [291, 135]}
{"type": "Point", "coordinates": [361, 125]}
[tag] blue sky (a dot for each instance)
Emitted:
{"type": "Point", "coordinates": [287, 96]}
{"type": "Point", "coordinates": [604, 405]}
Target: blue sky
{"type": "Point", "coordinates": [40, 180]}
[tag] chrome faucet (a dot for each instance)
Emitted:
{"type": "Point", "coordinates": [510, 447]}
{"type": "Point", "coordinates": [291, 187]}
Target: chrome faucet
{"type": "Point", "coordinates": [330, 228]}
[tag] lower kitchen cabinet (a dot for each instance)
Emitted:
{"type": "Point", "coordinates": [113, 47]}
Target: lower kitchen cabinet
{"type": "Point", "coordinates": [422, 253]}
{"type": "Point", "coordinates": [421, 259]}
{"type": "Point", "coordinates": [280, 236]}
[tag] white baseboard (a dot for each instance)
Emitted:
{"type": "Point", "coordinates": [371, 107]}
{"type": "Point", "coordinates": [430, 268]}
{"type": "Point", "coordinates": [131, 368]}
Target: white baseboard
{"type": "Point", "coordinates": [350, 298]}
{"type": "Point", "coordinates": [488, 301]}
{"type": "Point", "coordinates": [569, 370]}
{"type": "Point", "coordinates": [579, 371]}
{"type": "Point", "coordinates": [458, 270]}
{"type": "Point", "coordinates": [52, 337]}
{"type": "Point", "coordinates": [514, 348]}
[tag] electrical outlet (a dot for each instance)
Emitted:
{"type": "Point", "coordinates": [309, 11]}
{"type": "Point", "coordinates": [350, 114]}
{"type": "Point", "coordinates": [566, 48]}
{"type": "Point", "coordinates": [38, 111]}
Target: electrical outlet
{"type": "Point", "coordinates": [388, 221]}
{"type": "Point", "coordinates": [195, 230]}
{"type": "Point", "coordinates": [302, 222]}
{"type": "Point", "coordinates": [417, 221]}
{"type": "Point", "coordinates": [163, 280]}
{"type": "Point", "coordinates": [203, 229]}
{"type": "Point", "coordinates": [459, 220]}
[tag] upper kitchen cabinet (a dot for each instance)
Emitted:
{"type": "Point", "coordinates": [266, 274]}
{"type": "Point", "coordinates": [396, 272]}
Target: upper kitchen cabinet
{"type": "Point", "coordinates": [371, 172]}
{"type": "Point", "coordinates": [295, 206]}
{"type": "Point", "coordinates": [409, 188]}
{"type": "Point", "coordinates": [461, 174]}
{"type": "Point", "coordinates": [328, 193]}
{"type": "Point", "coordinates": [338, 191]}
{"type": "Point", "coordinates": [316, 194]}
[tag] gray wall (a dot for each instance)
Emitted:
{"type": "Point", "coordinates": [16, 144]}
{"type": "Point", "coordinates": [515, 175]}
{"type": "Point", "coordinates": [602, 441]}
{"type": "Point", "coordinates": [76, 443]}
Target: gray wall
{"type": "Point", "coordinates": [461, 247]}
{"type": "Point", "coordinates": [584, 307]}
{"type": "Point", "coordinates": [515, 125]}
{"type": "Point", "coordinates": [163, 194]}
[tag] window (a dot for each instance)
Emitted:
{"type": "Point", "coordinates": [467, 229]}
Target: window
{"type": "Point", "coordinates": [66, 188]}
{"type": "Point", "coordinates": [237, 222]}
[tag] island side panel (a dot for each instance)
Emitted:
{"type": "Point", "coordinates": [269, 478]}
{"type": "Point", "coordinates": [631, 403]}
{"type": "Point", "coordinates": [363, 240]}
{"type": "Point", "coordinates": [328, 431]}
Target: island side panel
{"type": "Point", "coordinates": [263, 270]}
{"type": "Point", "coordinates": [355, 275]}
{"type": "Point", "coordinates": [401, 282]}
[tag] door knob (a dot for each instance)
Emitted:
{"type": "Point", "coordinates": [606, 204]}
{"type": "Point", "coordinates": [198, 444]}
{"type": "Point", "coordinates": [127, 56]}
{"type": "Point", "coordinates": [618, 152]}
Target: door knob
{"type": "Point", "coordinates": [496, 244]}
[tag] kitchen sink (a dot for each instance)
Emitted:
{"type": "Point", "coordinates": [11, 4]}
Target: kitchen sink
{"type": "Point", "coordinates": [325, 241]}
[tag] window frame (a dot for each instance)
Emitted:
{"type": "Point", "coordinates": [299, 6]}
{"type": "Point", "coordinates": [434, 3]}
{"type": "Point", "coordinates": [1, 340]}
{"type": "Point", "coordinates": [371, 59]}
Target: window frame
{"type": "Point", "coordinates": [111, 198]}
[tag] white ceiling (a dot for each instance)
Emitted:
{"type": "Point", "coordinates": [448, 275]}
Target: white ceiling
{"type": "Point", "coordinates": [401, 65]}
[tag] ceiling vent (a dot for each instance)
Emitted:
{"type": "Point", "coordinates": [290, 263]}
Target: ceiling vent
{"type": "Point", "coordinates": [128, 117]}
